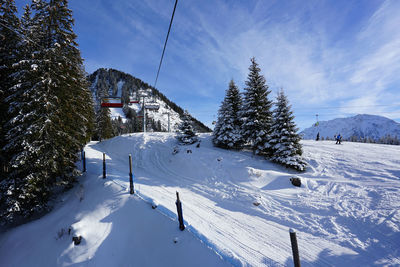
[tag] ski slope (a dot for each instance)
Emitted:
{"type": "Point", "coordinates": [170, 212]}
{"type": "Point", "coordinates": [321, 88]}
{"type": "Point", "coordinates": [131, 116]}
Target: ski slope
{"type": "Point", "coordinates": [345, 214]}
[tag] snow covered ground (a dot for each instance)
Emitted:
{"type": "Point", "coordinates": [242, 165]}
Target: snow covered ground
{"type": "Point", "coordinates": [345, 214]}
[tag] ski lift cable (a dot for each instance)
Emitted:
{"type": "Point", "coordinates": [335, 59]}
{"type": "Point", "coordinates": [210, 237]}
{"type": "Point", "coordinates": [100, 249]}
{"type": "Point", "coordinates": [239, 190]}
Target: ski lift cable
{"type": "Point", "coordinates": [165, 44]}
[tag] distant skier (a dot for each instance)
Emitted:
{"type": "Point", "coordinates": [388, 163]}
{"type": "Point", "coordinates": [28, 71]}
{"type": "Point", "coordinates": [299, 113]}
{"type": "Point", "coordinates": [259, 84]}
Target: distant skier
{"type": "Point", "coordinates": [317, 137]}
{"type": "Point", "coordinates": [338, 139]}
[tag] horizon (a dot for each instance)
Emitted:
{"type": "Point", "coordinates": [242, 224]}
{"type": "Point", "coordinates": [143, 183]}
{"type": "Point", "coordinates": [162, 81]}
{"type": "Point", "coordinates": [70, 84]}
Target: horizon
{"type": "Point", "coordinates": [332, 59]}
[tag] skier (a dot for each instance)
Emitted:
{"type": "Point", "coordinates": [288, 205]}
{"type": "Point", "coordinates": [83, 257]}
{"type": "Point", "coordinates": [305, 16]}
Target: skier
{"type": "Point", "coordinates": [317, 136]}
{"type": "Point", "coordinates": [338, 139]}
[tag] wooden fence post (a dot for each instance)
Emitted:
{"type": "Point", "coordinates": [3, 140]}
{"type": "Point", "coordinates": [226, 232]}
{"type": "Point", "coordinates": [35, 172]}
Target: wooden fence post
{"type": "Point", "coordinates": [295, 249]}
{"type": "Point", "coordinates": [130, 175]}
{"type": "Point", "coordinates": [104, 165]}
{"type": "Point", "coordinates": [179, 209]}
{"type": "Point", "coordinates": [84, 162]}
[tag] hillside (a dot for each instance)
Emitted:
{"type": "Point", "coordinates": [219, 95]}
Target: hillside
{"type": "Point", "coordinates": [110, 82]}
{"type": "Point", "coordinates": [346, 213]}
{"type": "Point", "coordinates": [358, 127]}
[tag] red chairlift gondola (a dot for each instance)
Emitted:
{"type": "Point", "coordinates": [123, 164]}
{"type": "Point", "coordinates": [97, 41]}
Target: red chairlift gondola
{"type": "Point", "coordinates": [112, 102]}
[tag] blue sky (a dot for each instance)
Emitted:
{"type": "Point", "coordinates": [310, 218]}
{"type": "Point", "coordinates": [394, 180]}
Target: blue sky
{"type": "Point", "coordinates": [333, 58]}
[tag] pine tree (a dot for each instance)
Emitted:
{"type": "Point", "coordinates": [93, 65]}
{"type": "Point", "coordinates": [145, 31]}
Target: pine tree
{"type": "Point", "coordinates": [34, 130]}
{"type": "Point", "coordinates": [285, 142]}
{"type": "Point", "coordinates": [9, 54]}
{"type": "Point", "coordinates": [186, 135]}
{"type": "Point", "coordinates": [10, 40]}
{"type": "Point", "coordinates": [256, 112]}
{"type": "Point", "coordinates": [70, 84]}
{"type": "Point", "coordinates": [104, 129]}
{"type": "Point", "coordinates": [50, 110]}
{"type": "Point", "coordinates": [227, 133]}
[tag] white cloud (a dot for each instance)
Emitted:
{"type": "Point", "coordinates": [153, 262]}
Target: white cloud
{"type": "Point", "coordinates": [304, 47]}
{"type": "Point", "coordinates": [300, 55]}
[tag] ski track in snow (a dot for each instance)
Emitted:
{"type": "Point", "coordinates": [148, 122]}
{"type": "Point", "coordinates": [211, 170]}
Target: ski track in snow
{"type": "Point", "coordinates": [345, 213]}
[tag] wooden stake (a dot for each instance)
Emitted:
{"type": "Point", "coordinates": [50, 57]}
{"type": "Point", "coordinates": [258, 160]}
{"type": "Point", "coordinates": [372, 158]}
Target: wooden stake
{"type": "Point", "coordinates": [179, 209]}
{"type": "Point", "coordinates": [104, 165]}
{"type": "Point", "coordinates": [84, 162]}
{"type": "Point", "coordinates": [131, 191]}
{"type": "Point", "coordinates": [295, 249]}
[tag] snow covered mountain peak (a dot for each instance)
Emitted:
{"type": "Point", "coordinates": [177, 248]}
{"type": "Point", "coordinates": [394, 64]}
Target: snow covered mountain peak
{"type": "Point", "coordinates": [114, 83]}
{"type": "Point", "coordinates": [360, 126]}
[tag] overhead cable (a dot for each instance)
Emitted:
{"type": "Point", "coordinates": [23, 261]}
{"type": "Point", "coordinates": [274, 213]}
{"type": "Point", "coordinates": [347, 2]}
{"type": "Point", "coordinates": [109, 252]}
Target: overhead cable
{"type": "Point", "coordinates": [165, 44]}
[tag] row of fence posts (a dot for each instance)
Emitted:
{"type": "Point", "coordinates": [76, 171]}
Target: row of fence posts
{"type": "Point", "coordinates": [292, 233]}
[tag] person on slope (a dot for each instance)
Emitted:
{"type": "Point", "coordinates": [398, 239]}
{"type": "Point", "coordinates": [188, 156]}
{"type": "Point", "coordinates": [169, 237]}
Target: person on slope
{"type": "Point", "coordinates": [338, 139]}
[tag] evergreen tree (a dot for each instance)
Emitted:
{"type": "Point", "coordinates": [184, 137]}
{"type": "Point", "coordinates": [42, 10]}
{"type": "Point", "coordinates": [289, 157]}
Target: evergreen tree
{"type": "Point", "coordinates": [10, 41]}
{"type": "Point", "coordinates": [227, 133]}
{"type": "Point", "coordinates": [104, 129]}
{"type": "Point", "coordinates": [256, 112]}
{"type": "Point", "coordinates": [186, 135]}
{"type": "Point", "coordinates": [285, 142]}
{"type": "Point", "coordinates": [50, 110]}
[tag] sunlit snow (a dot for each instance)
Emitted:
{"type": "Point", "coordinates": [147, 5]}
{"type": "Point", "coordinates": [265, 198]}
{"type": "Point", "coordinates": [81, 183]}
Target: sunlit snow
{"type": "Point", "coordinates": [346, 213]}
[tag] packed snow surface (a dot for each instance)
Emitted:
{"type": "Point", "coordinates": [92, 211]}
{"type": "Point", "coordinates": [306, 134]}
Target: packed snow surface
{"type": "Point", "coordinates": [238, 208]}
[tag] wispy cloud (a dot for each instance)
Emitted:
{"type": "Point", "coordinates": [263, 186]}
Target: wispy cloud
{"type": "Point", "coordinates": [297, 52]}
{"type": "Point", "coordinates": [323, 53]}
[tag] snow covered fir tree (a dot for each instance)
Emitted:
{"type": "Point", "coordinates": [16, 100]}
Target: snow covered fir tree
{"type": "Point", "coordinates": [284, 141]}
{"type": "Point", "coordinates": [272, 134]}
{"type": "Point", "coordinates": [49, 115]}
{"type": "Point", "coordinates": [227, 132]}
{"type": "Point", "coordinates": [104, 129]}
{"type": "Point", "coordinates": [256, 111]}
{"type": "Point", "coordinates": [186, 134]}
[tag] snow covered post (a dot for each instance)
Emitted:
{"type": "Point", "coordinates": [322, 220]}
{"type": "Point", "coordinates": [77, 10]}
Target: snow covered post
{"type": "Point", "coordinates": [84, 161]}
{"type": "Point", "coordinates": [130, 175]}
{"type": "Point", "coordinates": [104, 165]}
{"type": "Point", "coordinates": [295, 249]}
{"type": "Point", "coordinates": [179, 209]}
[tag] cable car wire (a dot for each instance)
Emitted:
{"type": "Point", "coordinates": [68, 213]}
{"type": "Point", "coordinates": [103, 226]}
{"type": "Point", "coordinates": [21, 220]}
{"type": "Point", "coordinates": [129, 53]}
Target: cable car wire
{"type": "Point", "coordinates": [165, 44]}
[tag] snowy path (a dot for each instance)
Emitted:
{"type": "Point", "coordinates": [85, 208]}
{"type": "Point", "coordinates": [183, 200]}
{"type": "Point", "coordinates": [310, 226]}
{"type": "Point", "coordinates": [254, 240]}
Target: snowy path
{"type": "Point", "coordinates": [346, 213]}
{"type": "Point", "coordinates": [118, 229]}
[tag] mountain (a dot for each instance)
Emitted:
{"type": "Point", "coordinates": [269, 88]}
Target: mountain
{"type": "Point", "coordinates": [355, 128]}
{"type": "Point", "coordinates": [115, 83]}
